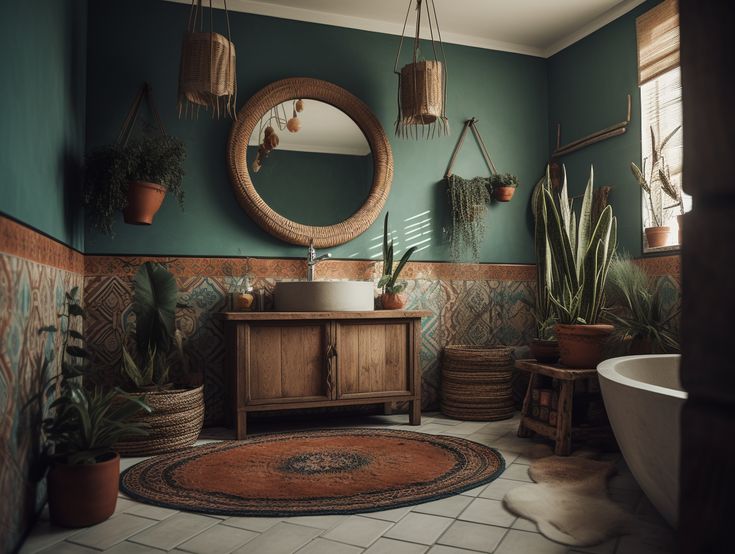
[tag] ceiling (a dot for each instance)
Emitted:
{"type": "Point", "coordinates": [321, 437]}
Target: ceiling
{"type": "Point", "coordinates": [534, 27]}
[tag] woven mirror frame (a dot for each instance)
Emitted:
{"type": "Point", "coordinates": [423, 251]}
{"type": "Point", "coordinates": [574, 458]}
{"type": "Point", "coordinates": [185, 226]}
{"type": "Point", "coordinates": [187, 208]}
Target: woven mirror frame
{"type": "Point", "coordinates": [273, 222]}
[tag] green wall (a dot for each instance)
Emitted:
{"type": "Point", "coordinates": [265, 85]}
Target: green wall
{"type": "Point", "coordinates": [42, 86]}
{"type": "Point", "coordinates": [135, 40]}
{"type": "Point", "coordinates": [313, 188]}
{"type": "Point", "coordinates": [588, 84]}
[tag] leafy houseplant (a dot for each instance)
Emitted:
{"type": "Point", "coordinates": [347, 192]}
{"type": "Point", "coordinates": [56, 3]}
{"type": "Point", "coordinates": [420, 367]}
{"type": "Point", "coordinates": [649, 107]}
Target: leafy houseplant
{"type": "Point", "coordinates": [637, 312]}
{"type": "Point", "coordinates": [178, 410]}
{"type": "Point", "coordinates": [654, 182]}
{"type": "Point", "coordinates": [80, 427]}
{"type": "Point", "coordinates": [133, 178]}
{"type": "Point", "coordinates": [581, 251]}
{"type": "Point", "coordinates": [391, 297]}
{"type": "Point", "coordinates": [503, 186]}
{"type": "Point", "coordinates": [468, 199]}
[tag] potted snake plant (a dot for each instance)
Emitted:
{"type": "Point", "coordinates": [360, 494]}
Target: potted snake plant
{"type": "Point", "coordinates": [581, 251]}
{"type": "Point", "coordinates": [158, 368]}
{"type": "Point", "coordinates": [79, 429]}
{"type": "Point", "coordinates": [392, 297]}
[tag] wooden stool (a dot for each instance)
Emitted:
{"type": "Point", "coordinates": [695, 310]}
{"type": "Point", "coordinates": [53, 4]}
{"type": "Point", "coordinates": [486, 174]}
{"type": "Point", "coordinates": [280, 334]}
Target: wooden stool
{"type": "Point", "coordinates": [562, 432]}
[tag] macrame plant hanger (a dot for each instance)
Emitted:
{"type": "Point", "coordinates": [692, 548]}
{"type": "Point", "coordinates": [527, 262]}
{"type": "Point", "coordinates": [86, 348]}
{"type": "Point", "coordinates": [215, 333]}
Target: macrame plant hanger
{"type": "Point", "coordinates": [144, 93]}
{"type": "Point", "coordinates": [472, 125]}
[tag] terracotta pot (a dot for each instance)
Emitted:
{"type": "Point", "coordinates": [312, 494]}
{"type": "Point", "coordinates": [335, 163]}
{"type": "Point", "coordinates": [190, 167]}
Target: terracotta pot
{"type": "Point", "coordinates": [680, 221]}
{"type": "Point", "coordinates": [391, 301]}
{"type": "Point", "coordinates": [503, 194]}
{"type": "Point", "coordinates": [144, 200]}
{"type": "Point", "coordinates": [83, 494]}
{"type": "Point", "coordinates": [545, 351]}
{"type": "Point", "coordinates": [657, 236]}
{"type": "Point", "coordinates": [582, 346]}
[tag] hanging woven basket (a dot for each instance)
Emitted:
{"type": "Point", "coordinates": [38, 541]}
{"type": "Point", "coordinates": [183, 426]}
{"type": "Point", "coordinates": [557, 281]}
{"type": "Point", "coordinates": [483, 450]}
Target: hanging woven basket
{"type": "Point", "coordinates": [422, 92]}
{"type": "Point", "coordinates": [207, 76]}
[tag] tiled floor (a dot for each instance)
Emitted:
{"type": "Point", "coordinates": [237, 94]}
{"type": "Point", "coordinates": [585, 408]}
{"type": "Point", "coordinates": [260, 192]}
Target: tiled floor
{"type": "Point", "coordinates": [475, 521]}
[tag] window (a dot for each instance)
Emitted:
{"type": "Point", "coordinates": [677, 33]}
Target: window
{"type": "Point", "coordinates": [661, 120]}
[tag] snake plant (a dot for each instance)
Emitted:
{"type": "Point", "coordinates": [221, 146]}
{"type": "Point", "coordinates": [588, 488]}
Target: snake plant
{"type": "Point", "coordinates": [578, 252]}
{"type": "Point", "coordinates": [389, 279]}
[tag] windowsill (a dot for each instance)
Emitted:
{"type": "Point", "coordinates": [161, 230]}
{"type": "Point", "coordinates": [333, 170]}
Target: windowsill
{"type": "Point", "coordinates": [669, 248]}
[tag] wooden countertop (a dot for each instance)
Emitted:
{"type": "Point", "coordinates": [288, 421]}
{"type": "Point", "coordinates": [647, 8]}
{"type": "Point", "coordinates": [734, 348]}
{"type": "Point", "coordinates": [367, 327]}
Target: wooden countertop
{"type": "Point", "coordinates": [280, 316]}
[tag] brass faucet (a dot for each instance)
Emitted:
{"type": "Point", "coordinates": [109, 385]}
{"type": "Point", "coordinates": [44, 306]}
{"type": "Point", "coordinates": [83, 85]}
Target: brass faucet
{"type": "Point", "coordinates": [312, 259]}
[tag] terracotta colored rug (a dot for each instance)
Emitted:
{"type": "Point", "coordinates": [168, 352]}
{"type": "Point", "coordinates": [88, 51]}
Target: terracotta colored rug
{"type": "Point", "coordinates": [313, 473]}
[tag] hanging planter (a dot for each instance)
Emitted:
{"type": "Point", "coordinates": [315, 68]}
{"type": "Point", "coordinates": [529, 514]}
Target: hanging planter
{"type": "Point", "coordinates": [503, 186]}
{"type": "Point", "coordinates": [422, 84]}
{"type": "Point", "coordinates": [207, 76]}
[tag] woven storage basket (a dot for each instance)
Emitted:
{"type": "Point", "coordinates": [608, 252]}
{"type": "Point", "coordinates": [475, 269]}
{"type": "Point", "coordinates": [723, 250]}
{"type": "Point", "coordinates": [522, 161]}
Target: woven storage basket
{"type": "Point", "coordinates": [422, 92]}
{"type": "Point", "coordinates": [207, 72]}
{"type": "Point", "coordinates": [175, 422]}
{"type": "Point", "coordinates": [477, 382]}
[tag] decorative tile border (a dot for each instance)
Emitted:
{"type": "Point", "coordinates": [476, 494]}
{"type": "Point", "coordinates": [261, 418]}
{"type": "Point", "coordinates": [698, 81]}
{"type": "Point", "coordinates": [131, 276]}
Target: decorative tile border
{"type": "Point", "coordinates": [18, 240]}
{"type": "Point", "coordinates": [660, 266]}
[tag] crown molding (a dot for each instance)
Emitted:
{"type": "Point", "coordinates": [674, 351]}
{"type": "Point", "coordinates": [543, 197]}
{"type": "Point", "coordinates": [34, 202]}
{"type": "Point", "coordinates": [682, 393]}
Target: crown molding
{"type": "Point", "coordinates": [380, 26]}
{"type": "Point", "coordinates": [594, 25]}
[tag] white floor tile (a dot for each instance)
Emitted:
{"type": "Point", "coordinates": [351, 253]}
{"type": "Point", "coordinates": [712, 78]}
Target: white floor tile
{"type": "Point", "coordinates": [219, 539]}
{"type": "Point", "coordinates": [151, 512]}
{"type": "Point", "coordinates": [128, 547]}
{"type": "Point", "coordinates": [68, 548]}
{"type": "Point", "coordinates": [420, 528]}
{"type": "Point", "coordinates": [451, 506]}
{"type": "Point", "coordinates": [358, 530]}
{"type": "Point", "coordinates": [258, 524]}
{"type": "Point", "coordinates": [498, 488]}
{"type": "Point", "coordinates": [323, 546]}
{"type": "Point", "coordinates": [396, 514]}
{"type": "Point", "coordinates": [391, 546]}
{"type": "Point", "coordinates": [489, 512]}
{"type": "Point", "coordinates": [114, 530]}
{"type": "Point", "coordinates": [282, 538]}
{"type": "Point", "coordinates": [45, 534]}
{"type": "Point", "coordinates": [443, 549]}
{"type": "Point", "coordinates": [521, 542]}
{"type": "Point", "coordinates": [173, 531]}
{"type": "Point", "coordinates": [319, 522]}
{"type": "Point", "coordinates": [523, 524]}
{"type": "Point", "coordinates": [517, 472]}
{"type": "Point", "coordinates": [472, 536]}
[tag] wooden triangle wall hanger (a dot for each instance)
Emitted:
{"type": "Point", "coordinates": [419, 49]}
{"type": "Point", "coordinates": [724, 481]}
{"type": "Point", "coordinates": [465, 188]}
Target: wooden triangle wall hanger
{"type": "Point", "coordinates": [144, 93]}
{"type": "Point", "coordinates": [471, 124]}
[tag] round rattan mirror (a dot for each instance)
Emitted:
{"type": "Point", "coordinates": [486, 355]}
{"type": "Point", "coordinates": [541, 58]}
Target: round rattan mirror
{"type": "Point", "coordinates": [249, 124]}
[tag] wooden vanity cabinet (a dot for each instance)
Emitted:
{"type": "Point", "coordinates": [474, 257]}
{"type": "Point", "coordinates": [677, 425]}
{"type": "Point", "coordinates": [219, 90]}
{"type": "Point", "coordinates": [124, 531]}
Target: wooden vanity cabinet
{"type": "Point", "coordinates": [296, 360]}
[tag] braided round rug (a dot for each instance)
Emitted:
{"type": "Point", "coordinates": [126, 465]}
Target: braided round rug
{"type": "Point", "coordinates": [313, 473]}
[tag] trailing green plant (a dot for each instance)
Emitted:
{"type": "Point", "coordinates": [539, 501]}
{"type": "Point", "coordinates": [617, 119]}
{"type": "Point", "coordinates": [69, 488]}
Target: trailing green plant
{"type": "Point", "coordinates": [636, 308]}
{"type": "Point", "coordinates": [153, 158]}
{"type": "Point", "coordinates": [81, 425]}
{"type": "Point", "coordinates": [580, 252]}
{"type": "Point", "coordinates": [659, 178]}
{"type": "Point", "coordinates": [468, 201]}
{"type": "Point", "coordinates": [503, 180]}
{"type": "Point", "coordinates": [159, 345]}
{"type": "Point", "coordinates": [389, 279]}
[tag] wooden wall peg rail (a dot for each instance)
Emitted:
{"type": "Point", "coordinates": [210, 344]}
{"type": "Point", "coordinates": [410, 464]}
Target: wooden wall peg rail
{"type": "Point", "coordinates": [597, 136]}
{"type": "Point", "coordinates": [296, 360]}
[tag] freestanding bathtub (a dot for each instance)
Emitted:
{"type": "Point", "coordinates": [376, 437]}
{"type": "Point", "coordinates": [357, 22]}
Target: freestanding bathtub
{"type": "Point", "coordinates": [643, 398]}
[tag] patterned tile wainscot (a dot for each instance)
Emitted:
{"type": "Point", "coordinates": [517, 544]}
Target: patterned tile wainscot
{"type": "Point", "coordinates": [471, 303]}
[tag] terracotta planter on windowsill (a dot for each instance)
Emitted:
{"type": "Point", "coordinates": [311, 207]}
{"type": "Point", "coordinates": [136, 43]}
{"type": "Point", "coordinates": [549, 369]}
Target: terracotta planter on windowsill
{"type": "Point", "coordinates": [391, 301]}
{"type": "Point", "coordinates": [657, 236]}
{"type": "Point", "coordinates": [80, 495]}
{"type": "Point", "coordinates": [144, 200]}
{"type": "Point", "coordinates": [582, 346]}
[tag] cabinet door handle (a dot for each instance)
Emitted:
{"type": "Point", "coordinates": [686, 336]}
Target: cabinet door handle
{"type": "Point", "coordinates": [331, 354]}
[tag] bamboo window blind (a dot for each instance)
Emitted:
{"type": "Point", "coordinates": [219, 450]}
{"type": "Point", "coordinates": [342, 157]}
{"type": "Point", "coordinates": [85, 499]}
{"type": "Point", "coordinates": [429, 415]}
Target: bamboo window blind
{"type": "Point", "coordinates": [657, 31]}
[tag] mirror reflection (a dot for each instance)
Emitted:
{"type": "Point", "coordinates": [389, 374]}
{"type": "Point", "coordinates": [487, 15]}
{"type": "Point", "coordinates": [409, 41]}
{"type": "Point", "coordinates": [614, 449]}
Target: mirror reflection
{"type": "Point", "coordinates": [310, 162]}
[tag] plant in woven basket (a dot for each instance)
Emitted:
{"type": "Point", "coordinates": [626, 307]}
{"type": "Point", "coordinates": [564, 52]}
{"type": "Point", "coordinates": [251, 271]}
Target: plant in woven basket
{"type": "Point", "coordinates": [388, 282]}
{"type": "Point", "coordinates": [637, 310]}
{"type": "Point", "coordinates": [468, 200]}
{"type": "Point", "coordinates": [80, 427]}
{"type": "Point", "coordinates": [111, 169]}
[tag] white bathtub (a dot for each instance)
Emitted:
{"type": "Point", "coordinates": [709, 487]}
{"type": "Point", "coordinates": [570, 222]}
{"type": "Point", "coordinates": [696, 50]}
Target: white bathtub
{"type": "Point", "coordinates": [643, 398]}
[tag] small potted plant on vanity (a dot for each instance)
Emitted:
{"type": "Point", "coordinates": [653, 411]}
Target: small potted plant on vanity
{"type": "Point", "coordinates": [159, 367]}
{"type": "Point", "coordinates": [134, 179]}
{"type": "Point", "coordinates": [503, 186]}
{"type": "Point", "coordinates": [654, 181]}
{"type": "Point", "coordinates": [581, 251]}
{"type": "Point", "coordinates": [392, 297]}
{"type": "Point", "coordinates": [79, 428]}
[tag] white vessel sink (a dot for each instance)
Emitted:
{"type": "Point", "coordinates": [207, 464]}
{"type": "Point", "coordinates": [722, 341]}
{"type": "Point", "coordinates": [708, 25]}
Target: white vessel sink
{"type": "Point", "coordinates": [324, 296]}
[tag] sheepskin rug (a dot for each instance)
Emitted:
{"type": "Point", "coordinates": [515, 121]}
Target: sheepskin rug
{"type": "Point", "coordinates": [568, 501]}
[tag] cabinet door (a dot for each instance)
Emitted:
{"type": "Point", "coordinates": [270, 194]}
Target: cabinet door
{"type": "Point", "coordinates": [288, 362]}
{"type": "Point", "coordinates": [373, 358]}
